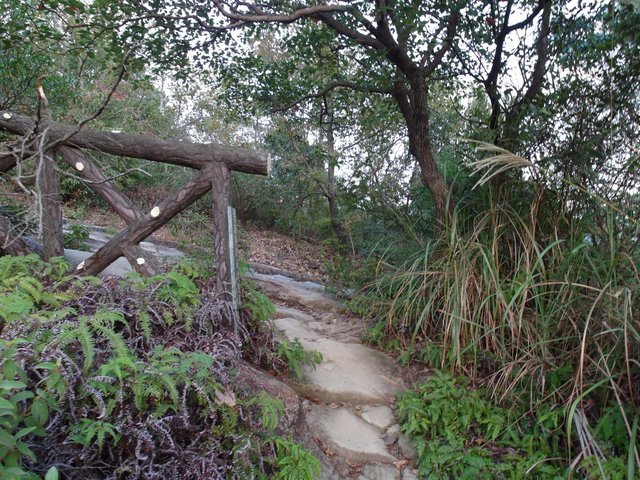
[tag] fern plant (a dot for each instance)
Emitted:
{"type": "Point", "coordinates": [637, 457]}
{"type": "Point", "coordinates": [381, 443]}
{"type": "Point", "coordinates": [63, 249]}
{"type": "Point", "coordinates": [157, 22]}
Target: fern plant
{"type": "Point", "coordinates": [88, 431]}
{"type": "Point", "coordinates": [297, 357]}
{"type": "Point", "coordinates": [294, 462]}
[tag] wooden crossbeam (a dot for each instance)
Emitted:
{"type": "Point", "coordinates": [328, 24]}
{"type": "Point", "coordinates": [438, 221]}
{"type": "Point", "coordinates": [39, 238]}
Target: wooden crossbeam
{"type": "Point", "coordinates": [194, 155]}
{"type": "Point", "coordinates": [141, 261]}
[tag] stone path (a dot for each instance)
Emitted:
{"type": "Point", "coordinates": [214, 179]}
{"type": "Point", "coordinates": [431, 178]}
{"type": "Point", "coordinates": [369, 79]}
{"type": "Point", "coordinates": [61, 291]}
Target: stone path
{"type": "Point", "coordinates": [348, 416]}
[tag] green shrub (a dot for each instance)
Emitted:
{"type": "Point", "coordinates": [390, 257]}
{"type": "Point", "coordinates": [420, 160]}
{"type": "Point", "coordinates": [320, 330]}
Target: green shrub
{"type": "Point", "coordinates": [130, 377]}
{"type": "Point", "coordinates": [76, 237]}
{"type": "Point", "coordinates": [459, 433]}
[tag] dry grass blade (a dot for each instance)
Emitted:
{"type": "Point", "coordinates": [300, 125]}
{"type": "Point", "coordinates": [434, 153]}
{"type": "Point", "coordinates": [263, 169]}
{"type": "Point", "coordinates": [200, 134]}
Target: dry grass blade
{"type": "Point", "coordinates": [501, 161]}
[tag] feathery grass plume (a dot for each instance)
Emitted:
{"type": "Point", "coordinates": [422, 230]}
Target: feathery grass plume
{"type": "Point", "coordinates": [500, 161]}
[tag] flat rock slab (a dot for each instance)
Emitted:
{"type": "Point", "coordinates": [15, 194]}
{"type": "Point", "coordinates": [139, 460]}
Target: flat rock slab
{"type": "Point", "coordinates": [380, 472]}
{"type": "Point", "coordinates": [380, 416]}
{"type": "Point", "coordinates": [341, 430]}
{"type": "Point", "coordinates": [286, 312]}
{"type": "Point", "coordinates": [309, 294]}
{"type": "Point", "coordinates": [349, 372]}
{"type": "Point", "coordinates": [98, 236]}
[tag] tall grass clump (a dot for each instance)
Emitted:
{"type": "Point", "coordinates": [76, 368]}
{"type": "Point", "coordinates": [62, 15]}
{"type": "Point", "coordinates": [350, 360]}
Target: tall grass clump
{"type": "Point", "coordinates": [530, 306]}
{"type": "Point", "coordinates": [493, 298]}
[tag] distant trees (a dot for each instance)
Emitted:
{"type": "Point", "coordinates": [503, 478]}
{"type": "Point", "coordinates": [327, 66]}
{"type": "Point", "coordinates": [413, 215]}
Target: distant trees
{"type": "Point", "coordinates": [558, 80]}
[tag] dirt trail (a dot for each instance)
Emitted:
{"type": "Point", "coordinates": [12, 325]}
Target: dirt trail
{"type": "Point", "coordinates": [348, 400]}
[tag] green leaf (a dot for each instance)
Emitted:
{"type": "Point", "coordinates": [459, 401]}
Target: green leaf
{"type": "Point", "coordinates": [26, 451]}
{"type": "Point", "coordinates": [6, 404]}
{"type": "Point", "coordinates": [40, 412]}
{"type": "Point", "coordinates": [21, 396]}
{"type": "Point", "coordinates": [11, 384]}
{"type": "Point", "coordinates": [25, 431]}
{"type": "Point", "coordinates": [6, 439]}
{"type": "Point", "coordinates": [52, 474]}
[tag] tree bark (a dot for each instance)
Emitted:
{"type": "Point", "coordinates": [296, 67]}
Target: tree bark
{"type": "Point", "coordinates": [11, 242]}
{"type": "Point", "coordinates": [51, 207]}
{"type": "Point", "coordinates": [141, 261]}
{"type": "Point", "coordinates": [414, 106]}
{"type": "Point", "coordinates": [221, 180]}
{"type": "Point", "coordinates": [97, 182]}
{"type": "Point", "coordinates": [194, 155]}
{"type": "Point", "coordinates": [7, 162]}
{"type": "Point", "coordinates": [330, 193]}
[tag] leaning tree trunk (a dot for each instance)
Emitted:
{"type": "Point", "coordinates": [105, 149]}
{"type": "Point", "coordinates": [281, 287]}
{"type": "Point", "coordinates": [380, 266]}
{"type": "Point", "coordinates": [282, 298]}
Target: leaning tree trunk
{"type": "Point", "coordinates": [416, 113]}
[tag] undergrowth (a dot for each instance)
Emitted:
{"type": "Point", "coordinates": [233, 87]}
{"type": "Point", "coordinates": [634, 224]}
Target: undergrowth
{"type": "Point", "coordinates": [129, 378]}
{"type": "Point", "coordinates": [549, 319]}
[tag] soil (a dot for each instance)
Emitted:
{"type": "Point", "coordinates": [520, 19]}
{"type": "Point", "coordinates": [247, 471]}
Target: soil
{"type": "Point", "coordinates": [266, 247]}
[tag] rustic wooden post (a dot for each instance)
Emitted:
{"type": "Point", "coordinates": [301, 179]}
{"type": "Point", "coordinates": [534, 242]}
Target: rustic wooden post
{"type": "Point", "coordinates": [50, 206]}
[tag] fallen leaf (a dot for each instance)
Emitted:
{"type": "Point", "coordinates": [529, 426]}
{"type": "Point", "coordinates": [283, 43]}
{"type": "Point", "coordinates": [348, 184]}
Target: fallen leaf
{"type": "Point", "coordinates": [226, 398]}
{"type": "Point", "coordinates": [400, 464]}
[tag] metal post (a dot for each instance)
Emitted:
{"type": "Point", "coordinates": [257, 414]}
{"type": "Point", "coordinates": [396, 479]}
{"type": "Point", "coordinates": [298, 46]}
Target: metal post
{"type": "Point", "coordinates": [233, 257]}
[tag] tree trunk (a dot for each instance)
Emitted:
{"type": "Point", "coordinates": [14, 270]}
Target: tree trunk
{"type": "Point", "coordinates": [50, 207]}
{"type": "Point", "coordinates": [330, 192]}
{"type": "Point", "coordinates": [414, 105]}
{"type": "Point", "coordinates": [220, 191]}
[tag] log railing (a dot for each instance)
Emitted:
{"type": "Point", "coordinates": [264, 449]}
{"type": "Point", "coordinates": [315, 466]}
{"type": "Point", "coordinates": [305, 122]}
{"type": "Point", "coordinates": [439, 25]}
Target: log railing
{"type": "Point", "coordinates": [49, 141]}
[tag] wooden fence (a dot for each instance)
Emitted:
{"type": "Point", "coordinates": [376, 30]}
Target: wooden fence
{"type": "Point", "coordinates": [48, 142]}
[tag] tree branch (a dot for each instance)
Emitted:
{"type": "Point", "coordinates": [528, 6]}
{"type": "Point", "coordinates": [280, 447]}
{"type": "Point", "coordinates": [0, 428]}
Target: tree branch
{"type": "Point", "coordinates": [329, 88]}
{"type": "Point", "coordinates": [452, 26]}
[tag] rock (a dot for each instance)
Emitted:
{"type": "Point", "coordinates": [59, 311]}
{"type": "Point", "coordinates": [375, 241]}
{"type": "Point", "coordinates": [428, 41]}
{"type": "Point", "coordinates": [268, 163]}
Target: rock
{"type": "Point", "coordinates": [294, 328]}
{"type": "Point", "coordinates": [379, 472]}
{"type": "Point", "coordinates": [349, 436]}
{"type": "Point", "coordinates": [285, 312]}
{"type": "Point", "coordinates": [257, 381]}
{"type": "Point", "coordinates": [392, 434]}
{"type": "Point", "coordinates": [349, 372]}
{"type": "Point", "coordinates": [329, 318]}
{"type": "Point", "coordinates": [309, 294]}
{"type": "Point", "coordinates": [271, 270]}
{"type": "Point", "coordinates": [409, 474]}
{"type": "Point", "coordinates": [380, 417]}
{"type": "Point", "coordinates": [119, 268]}
{"type": "Point", "coordinates": [406, 447]}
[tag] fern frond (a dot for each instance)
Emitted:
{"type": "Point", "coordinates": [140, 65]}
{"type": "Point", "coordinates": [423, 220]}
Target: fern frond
{"type": "Point", "coordinates": [31, 286]}
{"type": "Point", "coordinates": [145, 324]}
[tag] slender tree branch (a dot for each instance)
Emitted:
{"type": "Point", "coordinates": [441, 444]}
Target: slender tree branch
{"type": "Point", "coordinates": [452, 25]}
{"type": "Point", "coordinates": [332, 86]}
